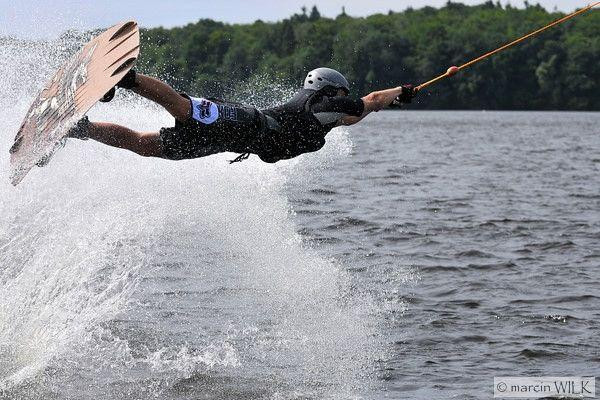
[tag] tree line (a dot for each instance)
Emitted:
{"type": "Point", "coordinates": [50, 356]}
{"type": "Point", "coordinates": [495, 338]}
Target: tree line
{"type": "Point", "coordinates": [560, 69]}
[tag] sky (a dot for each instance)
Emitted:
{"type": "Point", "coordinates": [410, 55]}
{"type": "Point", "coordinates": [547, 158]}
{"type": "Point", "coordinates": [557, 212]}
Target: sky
{"type": "Point", "coordinates": [48, 18]}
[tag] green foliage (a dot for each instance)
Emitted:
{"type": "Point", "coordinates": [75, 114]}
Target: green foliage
{"type": "Point", "coordinates": [556, 70]}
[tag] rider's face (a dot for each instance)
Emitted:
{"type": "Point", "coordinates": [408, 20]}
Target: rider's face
{"type": "Point", "coordinates": [341, 92]}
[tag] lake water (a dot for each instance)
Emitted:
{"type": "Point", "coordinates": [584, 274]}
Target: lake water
{"type": "Point", "coordinates": [417, 256]}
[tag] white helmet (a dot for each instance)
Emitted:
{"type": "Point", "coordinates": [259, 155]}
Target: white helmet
{"type": "Point", "coordinates": [320, 78]}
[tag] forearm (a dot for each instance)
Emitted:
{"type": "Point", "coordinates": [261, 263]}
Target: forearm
{"type": "Point", "coordinates": [374, 101]}
{"type": "Point", "coordinates": [379, 100]}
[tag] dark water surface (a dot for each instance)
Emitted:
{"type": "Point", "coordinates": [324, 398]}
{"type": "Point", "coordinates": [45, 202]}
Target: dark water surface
{"type": "Point", "coordinates": [498, 215]}
{"type": "Point", "coordinates": [417, 256]}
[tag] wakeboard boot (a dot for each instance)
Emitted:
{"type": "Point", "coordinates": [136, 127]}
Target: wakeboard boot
{"type": "Point", "coordinates": [127, 82]}
{"type": "Point", "coordinates": [81, 129]}
{"type": "Point", "coordinates": [108, 96]}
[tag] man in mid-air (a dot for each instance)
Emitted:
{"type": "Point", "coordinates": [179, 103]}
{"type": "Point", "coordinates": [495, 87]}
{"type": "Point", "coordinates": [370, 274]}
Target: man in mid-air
{"type": "Point", "coordinates": [209, 126]}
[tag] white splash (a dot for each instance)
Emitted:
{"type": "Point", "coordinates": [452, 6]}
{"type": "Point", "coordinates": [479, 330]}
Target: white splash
{"type": "Point", "coordinates": [79, 236]}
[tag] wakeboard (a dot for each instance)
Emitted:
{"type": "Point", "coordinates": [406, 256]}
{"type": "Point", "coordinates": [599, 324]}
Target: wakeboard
{"type": "Point", "coordinates": [78, 84]}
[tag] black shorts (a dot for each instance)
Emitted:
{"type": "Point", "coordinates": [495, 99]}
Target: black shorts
{"type": "Point", "coordinates": [187, 140]}
{"type": "Point", "coordinates": [214, 127]}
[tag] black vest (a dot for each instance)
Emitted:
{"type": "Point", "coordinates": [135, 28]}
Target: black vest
{"type": "Point", "coordinates": [299, 130]}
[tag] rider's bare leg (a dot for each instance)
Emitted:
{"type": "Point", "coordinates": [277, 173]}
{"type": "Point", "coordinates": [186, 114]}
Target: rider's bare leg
{"type": "Point", "coordinates": [164, 95]}
{"type": "Point", "coordinates": [143, 143]}
{"type": "Point", "coordinates": [146, 144]}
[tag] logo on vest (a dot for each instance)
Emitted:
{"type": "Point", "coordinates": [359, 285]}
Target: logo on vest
{"type": "Point", "coordinates": [204, 110]}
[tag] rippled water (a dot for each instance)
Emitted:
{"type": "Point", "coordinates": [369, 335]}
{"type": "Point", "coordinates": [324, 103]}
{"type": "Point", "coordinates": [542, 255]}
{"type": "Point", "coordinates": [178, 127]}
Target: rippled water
{"type": "Point", "coordinates": [418, 255]}
{"type": "Point", "coordinates": [497, 216]}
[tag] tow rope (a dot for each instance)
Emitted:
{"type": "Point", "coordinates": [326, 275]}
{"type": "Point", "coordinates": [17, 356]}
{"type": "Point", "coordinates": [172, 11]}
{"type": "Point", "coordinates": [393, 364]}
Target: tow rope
{"type": "Point", "coordinates": [454, 70]}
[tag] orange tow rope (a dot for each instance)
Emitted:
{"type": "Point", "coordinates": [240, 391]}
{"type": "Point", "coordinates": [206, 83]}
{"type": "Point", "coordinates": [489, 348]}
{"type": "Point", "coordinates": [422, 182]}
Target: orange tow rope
{"type": "Point", "coordinates": [453, 70]}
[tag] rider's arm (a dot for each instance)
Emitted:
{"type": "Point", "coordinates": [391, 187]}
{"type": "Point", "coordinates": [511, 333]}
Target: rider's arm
{"type": "Point", "coordinates": [374, 101]}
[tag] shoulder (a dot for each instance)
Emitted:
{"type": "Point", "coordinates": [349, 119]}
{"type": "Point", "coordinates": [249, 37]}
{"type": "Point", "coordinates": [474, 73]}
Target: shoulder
{"type": "Point", "coordinates": [295, 104]}
{"type": "Point", "coordinates": [340, 104]}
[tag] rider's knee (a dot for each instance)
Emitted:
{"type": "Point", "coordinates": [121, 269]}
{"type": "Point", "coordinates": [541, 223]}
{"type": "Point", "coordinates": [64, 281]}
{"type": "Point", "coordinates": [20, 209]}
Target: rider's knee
{"type": "Point", "coordinates": [182, 110]}
{"type": "Point", "coordinates": [148, 145]}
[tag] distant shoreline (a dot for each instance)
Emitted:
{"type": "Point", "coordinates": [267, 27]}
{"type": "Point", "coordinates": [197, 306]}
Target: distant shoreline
{"type": "Point", "coordinates": [554, 71]}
